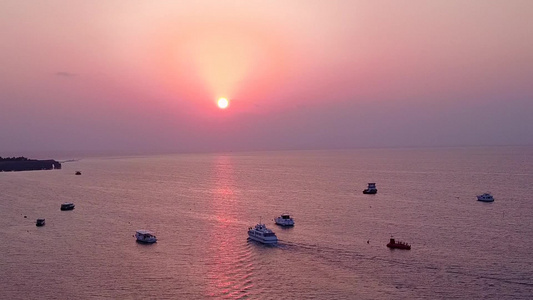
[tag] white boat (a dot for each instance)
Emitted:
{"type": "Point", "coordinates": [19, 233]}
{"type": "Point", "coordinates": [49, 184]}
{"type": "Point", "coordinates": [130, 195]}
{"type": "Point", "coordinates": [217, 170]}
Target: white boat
{"type": "Point", "coordinates": [486, 197]}
{"type": "Point", "coordinates": [67, 206]}
{"type": "Point", "coordinates": [145, 236]}
{"type": "Point", "coordinates": [284, 220]}
{"type": "Point", "coordinates": [262, 234]}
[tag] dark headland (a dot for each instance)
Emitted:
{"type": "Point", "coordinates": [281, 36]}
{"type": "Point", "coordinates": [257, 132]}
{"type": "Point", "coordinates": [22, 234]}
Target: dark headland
{"type": "Point", "coordinates": [8, 164]}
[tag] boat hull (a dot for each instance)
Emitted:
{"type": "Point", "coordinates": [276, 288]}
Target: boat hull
{"type": "Point", "coordinates": [263, 240]}
{"type": "Point", "coordinates": [284, 222]}
{"type": "Point", "coordinates": [399, 246]}
{"type": "Point", "coordinates": [285, 225]}
{"type": "Point", "coordinates": [146, 241]}
{"type": "Point", "coordinates": [370, 192]}
{"type": "Point", "coordinates": [485, 200]}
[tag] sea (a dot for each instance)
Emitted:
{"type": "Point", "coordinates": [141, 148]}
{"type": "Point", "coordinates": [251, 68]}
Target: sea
{"type": "Point", "coordinates": [200, 207]}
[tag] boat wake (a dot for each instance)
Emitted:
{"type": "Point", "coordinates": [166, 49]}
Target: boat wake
{"type": "Point", "coordinates": [353, 260]}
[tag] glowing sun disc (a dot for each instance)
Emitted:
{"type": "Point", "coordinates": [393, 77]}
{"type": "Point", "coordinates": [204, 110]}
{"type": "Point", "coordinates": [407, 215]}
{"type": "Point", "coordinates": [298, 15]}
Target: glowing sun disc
{"type": "Point", "coordinates": [223, 103]}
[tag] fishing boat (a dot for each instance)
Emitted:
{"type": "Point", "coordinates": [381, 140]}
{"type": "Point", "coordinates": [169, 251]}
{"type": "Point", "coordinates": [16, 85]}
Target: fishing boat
{"type": "Point", "coordinates": [393, 244]}
{"type": "Point", "coordinates": [67, 206]}
{"type": "Point", "coordinates": [262, 234]}
{"type": "Point", "coordinates": [145, 236]}
{"type": "Point", "coordinates": [284, 220]}
{"type": "Point", "coordinates": [39, 222]}
{"type": "Point", "coordinates": [486, 197]}
{"type": "Point", "coordinates": [78, 173]}
{"type": "Point", "coordinates": [371, 189]}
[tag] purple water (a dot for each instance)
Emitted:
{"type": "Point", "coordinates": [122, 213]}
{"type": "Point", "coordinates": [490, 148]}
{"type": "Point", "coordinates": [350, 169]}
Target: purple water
{"type": "Point", "coordinates": [200, 207]}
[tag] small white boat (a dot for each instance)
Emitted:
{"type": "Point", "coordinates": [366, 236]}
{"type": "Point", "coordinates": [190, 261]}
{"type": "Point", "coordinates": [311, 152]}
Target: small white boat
{"type": "Point", "coordinates": [145, 236]}
{"type": "Point", "coordinates": [486, 197]}
{"type": "Point", "coordinates": [67, 206]}
{"type": "Point", "coordinates": [284, 220]}
{"type": "Point", "coordinates": [262, 234]}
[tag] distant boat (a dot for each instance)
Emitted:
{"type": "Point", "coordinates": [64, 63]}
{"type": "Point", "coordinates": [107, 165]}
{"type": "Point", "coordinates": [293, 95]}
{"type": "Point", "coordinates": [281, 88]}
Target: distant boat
{"type": "Point", "coordinates": [67, 206]}
{"type": "Point", "coordinates": [262, 234]}
{"type": "Point", "coordinates": [77, 173]}
{"type": "Point", "coordinates": [486, 197]}
{"type": "Point", "coordinates": [40, 222]}
{"type": "Point", "coordinates": [393, 244]}
{"type": "Point", "coordinates": [371, 189]}
{"type": "Point", "coordinates": [284, 220]}
{"type": "Point", "coordinates": [145, 236]}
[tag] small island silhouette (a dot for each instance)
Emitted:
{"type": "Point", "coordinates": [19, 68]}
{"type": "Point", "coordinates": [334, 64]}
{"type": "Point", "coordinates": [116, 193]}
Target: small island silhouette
{"type": "Point", "coordinates": [21, 163]}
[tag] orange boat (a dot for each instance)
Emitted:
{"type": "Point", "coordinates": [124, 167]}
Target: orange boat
{"type": "Point", "coordinates": [393, 244]}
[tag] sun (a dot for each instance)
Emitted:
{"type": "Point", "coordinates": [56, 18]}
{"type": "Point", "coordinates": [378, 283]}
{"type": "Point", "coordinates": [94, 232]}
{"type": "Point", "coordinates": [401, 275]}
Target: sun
{"type": "Point", "coordinates": [223, 103]}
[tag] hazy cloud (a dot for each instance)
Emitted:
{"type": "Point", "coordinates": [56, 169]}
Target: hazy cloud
{"type": "Point", "coordinates": [66, 74]}
{"type": "Point", "coordinates": [298, 76]}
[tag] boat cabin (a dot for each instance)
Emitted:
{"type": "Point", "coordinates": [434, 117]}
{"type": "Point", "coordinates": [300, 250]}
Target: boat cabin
{"type": "Point", "coordinates": [145, 233]}
{"type": "Point", "coordinates": [261, 230]}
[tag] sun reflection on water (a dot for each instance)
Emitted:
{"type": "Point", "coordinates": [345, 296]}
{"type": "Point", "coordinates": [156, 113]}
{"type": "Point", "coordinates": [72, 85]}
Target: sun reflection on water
{"type": "Point", "coordinates": [229, 266]}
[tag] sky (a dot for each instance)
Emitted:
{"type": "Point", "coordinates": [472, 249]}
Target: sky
{"type": "Point", "coordinates": [135, 76]}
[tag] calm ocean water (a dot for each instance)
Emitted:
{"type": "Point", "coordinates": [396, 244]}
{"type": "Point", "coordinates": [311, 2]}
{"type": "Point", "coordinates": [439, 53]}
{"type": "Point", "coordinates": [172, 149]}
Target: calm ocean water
{"type": "Point", "coordinates": [200, 207]}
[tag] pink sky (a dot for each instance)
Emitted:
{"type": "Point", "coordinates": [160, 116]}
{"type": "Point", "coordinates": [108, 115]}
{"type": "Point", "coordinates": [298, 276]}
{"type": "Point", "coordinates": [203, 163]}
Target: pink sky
{"type": "Point", "coordinates": [144, 76]}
